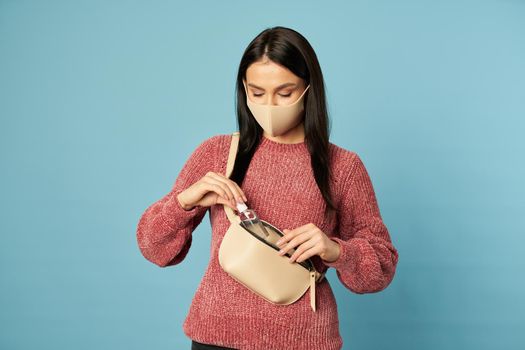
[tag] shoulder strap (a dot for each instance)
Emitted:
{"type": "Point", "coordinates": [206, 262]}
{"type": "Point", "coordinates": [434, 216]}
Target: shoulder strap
{"type": "Point", "coordinates": [229, 168]}
{"type": "Point", "coordinates": [233, 152]}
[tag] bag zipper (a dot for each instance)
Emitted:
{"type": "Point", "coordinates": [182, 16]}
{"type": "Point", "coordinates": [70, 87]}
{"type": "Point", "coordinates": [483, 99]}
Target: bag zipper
{"type": "Point", "coordinates": [307, 264]}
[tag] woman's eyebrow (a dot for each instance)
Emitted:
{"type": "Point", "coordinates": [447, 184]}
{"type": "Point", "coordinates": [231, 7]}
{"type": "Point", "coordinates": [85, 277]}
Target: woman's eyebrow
{"type": "Point", "coordinates": [277, 88]}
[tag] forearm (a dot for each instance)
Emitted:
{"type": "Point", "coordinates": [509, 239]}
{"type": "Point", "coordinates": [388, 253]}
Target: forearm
{"type": "Point", "coordinates": [164, 230]}
{"type": "Point", "coordinates": [366, 262]}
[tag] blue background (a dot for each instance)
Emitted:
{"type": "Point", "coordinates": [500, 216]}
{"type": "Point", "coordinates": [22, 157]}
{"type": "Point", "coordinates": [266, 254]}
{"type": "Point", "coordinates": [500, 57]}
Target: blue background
{"type": "Point", "coordinates": [103, 101]}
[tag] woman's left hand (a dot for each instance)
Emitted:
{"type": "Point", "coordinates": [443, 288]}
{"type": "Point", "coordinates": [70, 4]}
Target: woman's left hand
{"type": "Point", "coordinates": [310, 241]}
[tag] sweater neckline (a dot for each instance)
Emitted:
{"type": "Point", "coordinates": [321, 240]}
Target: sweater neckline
{"type": "Point", "coordinates": [282, 147]}
{"type": "Point", "coordinates": [271, 143]}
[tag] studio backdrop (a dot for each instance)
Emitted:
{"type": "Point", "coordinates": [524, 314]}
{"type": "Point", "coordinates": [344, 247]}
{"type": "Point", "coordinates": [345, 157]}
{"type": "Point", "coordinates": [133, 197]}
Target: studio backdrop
{"type": "Point", "coordinates": [102, 102]}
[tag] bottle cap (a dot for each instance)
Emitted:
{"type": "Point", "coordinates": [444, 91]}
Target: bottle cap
{"type": "Point", "coordinates": [241, 207]}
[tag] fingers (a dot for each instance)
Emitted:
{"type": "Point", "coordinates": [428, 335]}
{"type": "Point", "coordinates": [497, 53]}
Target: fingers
{"type": "Point", "coordinates": [305, 254]}
{"type": "Point", "coordinates": [307, 241]}
{"type": "Point", "coordinates": [225, 190]}
{"type": "Point", "coordinates": [239, 193]}
{"type": "Point", "coordinates": [296, 241]}
{"type": "Point", "coordinates": [217, 187]}
{"type": "Point", "coordinates": [221, 200]}
{"type": "Point", "coordinates": [222, 194]}
{"type": "Point", "coordinates": [290, 234]}
{"type": "Point", "coordinates": [234, 191]}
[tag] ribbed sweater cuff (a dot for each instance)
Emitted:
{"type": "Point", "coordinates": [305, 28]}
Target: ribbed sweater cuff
{"type": "Point", "coordinates": [348, 257]}
{"type": "Point", "coordinates": [174, 215]}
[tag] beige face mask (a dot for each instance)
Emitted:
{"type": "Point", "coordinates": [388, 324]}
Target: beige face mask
{"type": "Point", "coordinates": [277, 120]}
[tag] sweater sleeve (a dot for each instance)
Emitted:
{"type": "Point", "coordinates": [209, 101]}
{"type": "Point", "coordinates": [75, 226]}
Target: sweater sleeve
{"type": "Point", "coordinates": [164, 231]}
{"type": "Point", "coordinates": [368, 259]}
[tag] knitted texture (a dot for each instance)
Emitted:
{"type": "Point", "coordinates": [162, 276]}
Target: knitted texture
{"type": "Point", "coordinates": [281, 188]}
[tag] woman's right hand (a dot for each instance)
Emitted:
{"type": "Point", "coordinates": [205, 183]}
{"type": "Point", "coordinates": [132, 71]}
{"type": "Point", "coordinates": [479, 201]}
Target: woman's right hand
{"type": "Point", "coordinates": [212, 188]}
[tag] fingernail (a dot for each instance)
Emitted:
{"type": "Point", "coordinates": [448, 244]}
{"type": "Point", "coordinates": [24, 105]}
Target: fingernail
{"type": "Point", "coordinates": [279, 242]}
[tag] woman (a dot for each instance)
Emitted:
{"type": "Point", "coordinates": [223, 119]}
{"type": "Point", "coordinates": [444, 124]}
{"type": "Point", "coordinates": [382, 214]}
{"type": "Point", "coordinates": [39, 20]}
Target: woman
{"type": "Point", "coordinates": [292, 176]}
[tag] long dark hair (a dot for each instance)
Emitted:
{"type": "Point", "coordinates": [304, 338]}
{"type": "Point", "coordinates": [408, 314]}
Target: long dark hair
{"type": "Point", "coordinates": [290, 49]}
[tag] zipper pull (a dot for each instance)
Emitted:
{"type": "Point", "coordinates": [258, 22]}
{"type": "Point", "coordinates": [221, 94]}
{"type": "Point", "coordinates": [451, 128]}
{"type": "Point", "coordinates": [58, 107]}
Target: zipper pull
{"type": "Point", "coordinates": [312, 290]}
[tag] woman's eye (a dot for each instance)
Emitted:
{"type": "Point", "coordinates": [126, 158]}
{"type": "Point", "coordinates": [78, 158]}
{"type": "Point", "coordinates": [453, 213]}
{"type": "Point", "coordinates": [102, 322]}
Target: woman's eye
{"type": "Point", "coordinates": [259, 95]}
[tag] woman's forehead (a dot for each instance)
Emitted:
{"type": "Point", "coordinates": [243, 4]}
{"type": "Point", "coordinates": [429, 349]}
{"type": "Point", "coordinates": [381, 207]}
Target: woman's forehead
{"type": "Point", "coordinates": [270, 75]}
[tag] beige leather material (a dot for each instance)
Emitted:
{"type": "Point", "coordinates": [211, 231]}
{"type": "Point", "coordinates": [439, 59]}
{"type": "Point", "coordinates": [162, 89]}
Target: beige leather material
{"type": "Point", "coordinates": [256, 264]}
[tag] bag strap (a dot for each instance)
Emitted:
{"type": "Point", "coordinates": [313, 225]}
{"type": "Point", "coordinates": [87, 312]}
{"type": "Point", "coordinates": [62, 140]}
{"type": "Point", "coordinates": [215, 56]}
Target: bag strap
{"type": "Point", "coordinates": [234, 219]}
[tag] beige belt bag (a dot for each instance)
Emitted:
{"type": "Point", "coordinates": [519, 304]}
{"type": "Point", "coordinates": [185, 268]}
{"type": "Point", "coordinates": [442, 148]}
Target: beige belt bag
{"type": "Point", "coordinates": [255, 262]}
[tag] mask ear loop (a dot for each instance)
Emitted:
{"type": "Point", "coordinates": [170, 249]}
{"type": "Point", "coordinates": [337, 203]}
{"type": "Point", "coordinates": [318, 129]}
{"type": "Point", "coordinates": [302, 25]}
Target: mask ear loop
{"type": "Point", "coordinates": [304, 92]}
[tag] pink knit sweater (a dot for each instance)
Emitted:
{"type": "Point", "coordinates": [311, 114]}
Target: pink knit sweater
{"type": "Point", "coordinates": [281, 188]}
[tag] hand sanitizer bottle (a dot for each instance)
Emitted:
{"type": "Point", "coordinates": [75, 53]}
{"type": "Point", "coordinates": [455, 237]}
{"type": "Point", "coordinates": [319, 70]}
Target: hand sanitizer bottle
{"type": "Point", "coordinates": [251, 221]}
